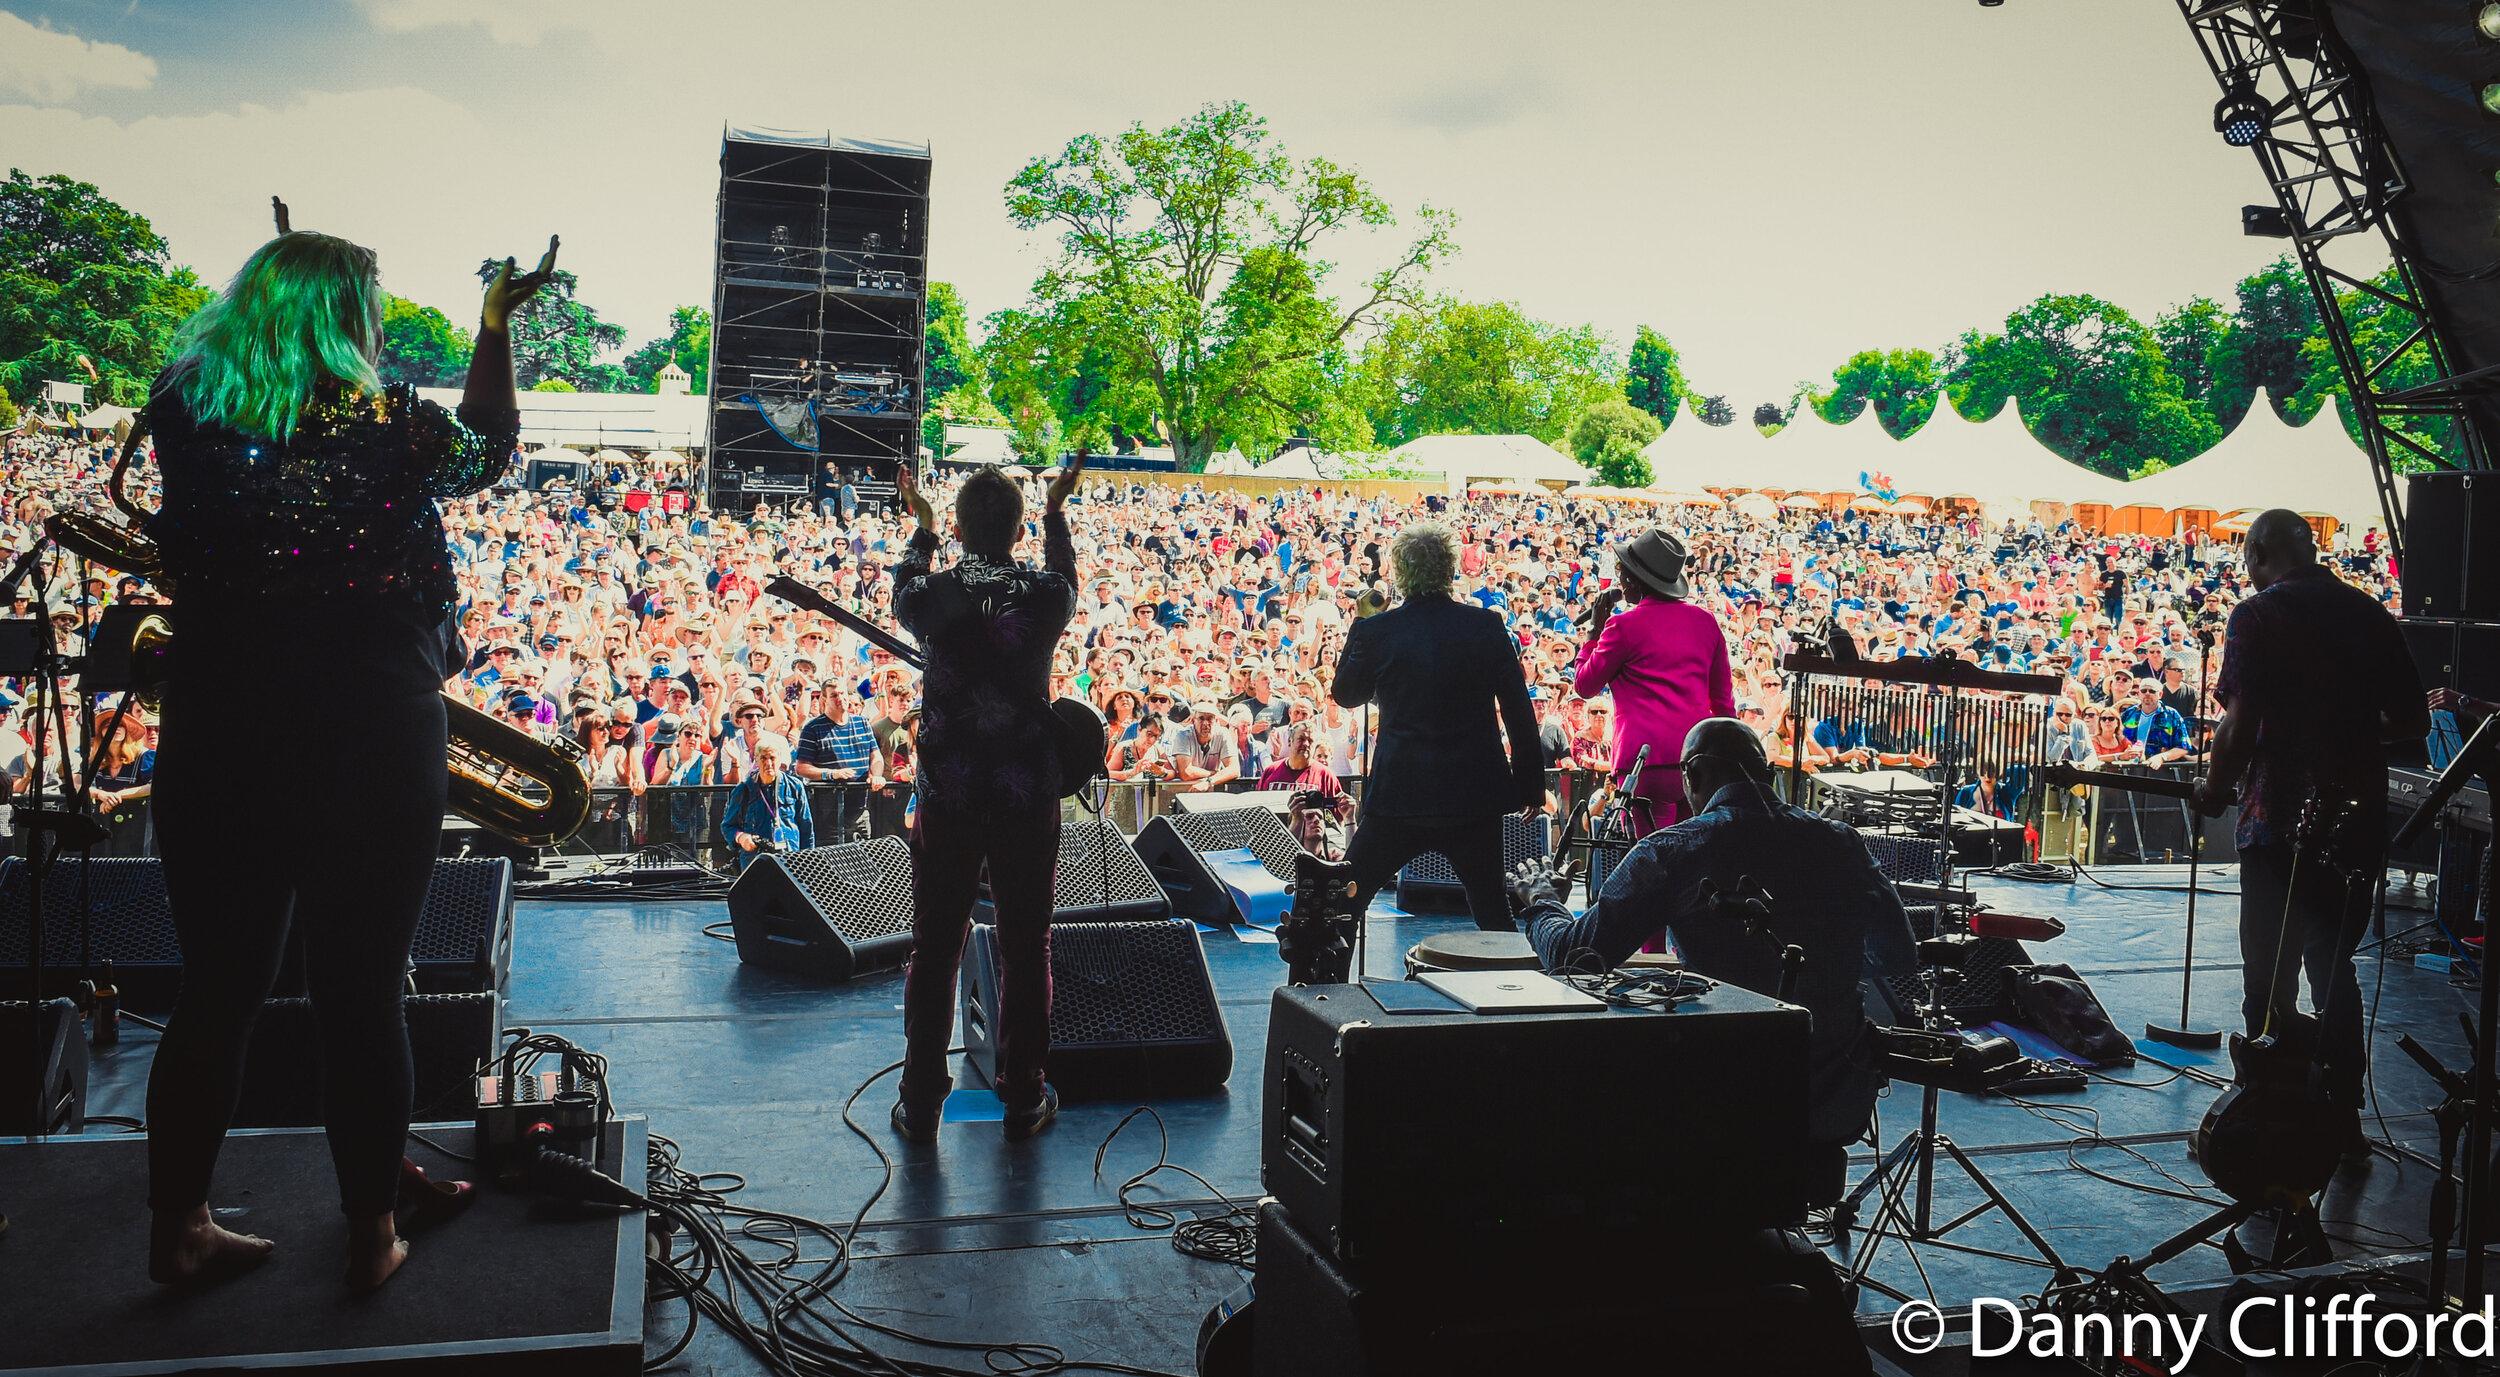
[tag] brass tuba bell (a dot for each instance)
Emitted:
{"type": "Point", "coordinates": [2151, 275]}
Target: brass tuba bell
{"type": "Point", "coordinates": [527, 789]}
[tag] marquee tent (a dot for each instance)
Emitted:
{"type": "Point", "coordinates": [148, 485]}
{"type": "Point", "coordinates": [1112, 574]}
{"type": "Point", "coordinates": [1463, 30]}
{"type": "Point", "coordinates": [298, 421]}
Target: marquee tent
{"type": "Point", "coordinates": [1468, 459]}
{"type": "Point", "coordinates": [2268, 462]}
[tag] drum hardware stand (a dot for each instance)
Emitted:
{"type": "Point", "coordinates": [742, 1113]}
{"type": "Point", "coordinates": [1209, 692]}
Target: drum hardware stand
{"type": "Point", "coordinates": [1912, 1164]}
{"type": "Point", "coordinates": [2187, 1034]}
{"type": "Point", "coordinates": [1314, 938]}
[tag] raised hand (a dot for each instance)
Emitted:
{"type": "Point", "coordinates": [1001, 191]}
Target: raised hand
{"type": "Point", "coordinates": [505, 294]}
{"type": "Point", "coordinates": [907, 485]}
{"type": "Point", "coordinates": [1064, 483]}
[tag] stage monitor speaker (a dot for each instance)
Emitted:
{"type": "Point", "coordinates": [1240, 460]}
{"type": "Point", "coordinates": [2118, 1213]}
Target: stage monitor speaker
{"type": "Point", "coordinates": [463, 939]}
{"type": "Point", "coordinates": [1982, 996]}
{"type": "Point", "coordinates": [2452, 546]}
{"type": "Point", "coordinates": [1904, 855]}
{"type": "Point", "coordinates": [1766, 1303]}
{"type": "Point", "coordinates": [449, 1035]}
{"type": "Point", "coordinates": [832, 912]}
{"type": "Point", "coordinates": [1428, 885]}
{"type": "Point", "coordinates": [1101, 879]}
{"type": "Point", "coordinates": [61, 1037]}
{"type": "Point", "coordinates": [1170, 847]}
{"type": "Point", "coordinates": [1611, 1130]}
{"type": "Point", "coordinates": [1132, 1011]}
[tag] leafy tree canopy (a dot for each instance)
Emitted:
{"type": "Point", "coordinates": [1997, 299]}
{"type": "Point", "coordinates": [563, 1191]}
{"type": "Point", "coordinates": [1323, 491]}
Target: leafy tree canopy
{"type": "Point", "coordinates": [1900, 384]}
{"type": "Point", "coordinates": [1190, 271]}
{"type": "Point", "coordinates": [421, 347]}
{"type": "Point", "coordinates": [1484, 368]}
{"type": "Point", "coordinates": [688, 344]}
{"type": "Point", "coordinates": [1653, 377]}
{"type": "Point", "coordinates": [2092, 382]}
{"type": "Point", "coordinates": [2263, 347]}
{"type": "Point", "coordinates": [83, 282]}
{"type": "Point", "coordinates": [555, 334]}
{"type": "Point", "coordinates": [1608, 439]}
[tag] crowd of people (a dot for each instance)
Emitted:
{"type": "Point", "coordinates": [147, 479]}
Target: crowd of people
{"type": "Point", "coordinates": [632, 619]}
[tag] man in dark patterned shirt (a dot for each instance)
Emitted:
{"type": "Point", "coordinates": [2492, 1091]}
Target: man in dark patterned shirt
{"type": "Point", "coordinates": [988, 783]}
{"type": "Point", "coordinates": [2315, 679]}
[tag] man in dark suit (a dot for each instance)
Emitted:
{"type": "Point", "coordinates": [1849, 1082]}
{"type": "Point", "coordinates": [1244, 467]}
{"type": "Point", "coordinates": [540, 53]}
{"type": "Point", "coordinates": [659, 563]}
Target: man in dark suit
{"type": "Point", "coordinates": [1440, 668]}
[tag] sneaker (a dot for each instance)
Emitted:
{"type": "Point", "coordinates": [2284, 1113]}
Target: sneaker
{"type": "Point", "coordinates": [915, 1125]}
{"type": "Point", "coordinates": [1024, 1123]}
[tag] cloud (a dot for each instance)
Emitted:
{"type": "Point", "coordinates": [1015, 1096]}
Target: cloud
{"type": "Point", "coordinates": [46, 65]}
{"type": "Point", "coordinates": [1469, 106]}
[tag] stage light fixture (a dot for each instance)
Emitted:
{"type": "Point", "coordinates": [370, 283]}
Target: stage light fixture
{"type": "Point", "coordinates": [2489, 20]}
{"type": "Point", "coordinates": [2240, 117]}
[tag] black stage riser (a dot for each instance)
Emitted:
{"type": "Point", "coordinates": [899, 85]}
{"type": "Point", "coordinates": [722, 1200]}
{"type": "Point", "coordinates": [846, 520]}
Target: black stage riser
{"type": "Point", "coordinates": [1170, 847]}
{"type": "Point", "coordinates": [830, 912]}
{"type": "Point", "coordinates": [1133, 1013]}
{"type": "Point", "coordinates": [1427, 884]}
{"type": "Point", "coordinates": [1766, 1304]}
{"type": "Point", "coordinates": [449, 1034]}
{"type": "Point", "coordinates": [1443, 1141]}
{"type": "Point", "coordinates": [463, 941]}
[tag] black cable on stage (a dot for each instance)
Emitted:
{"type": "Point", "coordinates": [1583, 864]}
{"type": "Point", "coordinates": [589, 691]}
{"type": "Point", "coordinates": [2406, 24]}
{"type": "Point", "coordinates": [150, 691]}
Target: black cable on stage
{"type": "Point", "coordinates": [1232, 1236]}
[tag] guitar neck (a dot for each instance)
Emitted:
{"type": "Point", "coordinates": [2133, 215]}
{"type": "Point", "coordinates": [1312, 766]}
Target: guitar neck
{"type": "Point", "coordinates": [2064, 775]}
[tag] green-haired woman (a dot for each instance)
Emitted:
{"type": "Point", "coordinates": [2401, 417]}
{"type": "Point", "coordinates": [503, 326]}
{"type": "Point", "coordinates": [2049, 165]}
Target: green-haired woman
{"type": "Point", "coordinates": [300, 530]}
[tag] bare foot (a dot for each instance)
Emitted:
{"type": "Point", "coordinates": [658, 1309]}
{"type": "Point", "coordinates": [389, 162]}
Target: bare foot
{"type": "Point", "coordinates": [374, 1251]}
{"type": "Point", "coordinates": [190, 1249]}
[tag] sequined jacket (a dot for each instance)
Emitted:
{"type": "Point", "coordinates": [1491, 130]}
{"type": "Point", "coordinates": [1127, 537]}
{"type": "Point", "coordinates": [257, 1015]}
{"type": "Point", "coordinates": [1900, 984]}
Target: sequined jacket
{"type": "Point", "coordinates": [343, 511]}
{"type": "Point", "coordinates": [330, 544]}
{"type": "Point", "coordinates": [988, 630]}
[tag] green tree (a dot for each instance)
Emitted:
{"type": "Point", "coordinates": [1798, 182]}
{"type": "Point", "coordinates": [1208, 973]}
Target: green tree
{"type": "Point", "coordinates": [1191, 257]}
{"type": "Point", "coordinates": [1483, 368]}
{"type": "Point", "coordinates": [2190, 335]}
{"type": "Point", "coordinates": [1653, 377]}
{"type": "Point", "coordinates": [1714, 411]}
{"type": "Point", "coordinates": [2092, 383]}
{"type": "Point", "coordinates": [421, 347]}
{"type": "Point", "coordinates": [8, 414]}
{"type": "Point", "coordinates": [688, 344]}
{"type": "Point", "coordinates": [553, 385]}
{"type": "Point", "coordinates": [1608, 439]}
{"type": "Point", "coordinates": [555, 334]}
{"type": "Point", "coordinates": [2377, 329]}
{"type": "Point", "coordinates": [83, 278]}
{"type": "Point", "coordinates": [1900, 384]}
{"type": "Point", "coordinates": [2264, 347]}
{"type": "Point", "coordinates": [956, 375]}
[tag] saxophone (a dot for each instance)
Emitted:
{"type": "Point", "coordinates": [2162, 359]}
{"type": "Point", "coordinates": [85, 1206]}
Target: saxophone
{"type": "Point", "coordinates": [527, 789]}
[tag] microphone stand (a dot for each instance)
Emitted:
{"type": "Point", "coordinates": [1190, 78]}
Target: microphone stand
{"type": "Point", "coordinates": [2187, 1034]}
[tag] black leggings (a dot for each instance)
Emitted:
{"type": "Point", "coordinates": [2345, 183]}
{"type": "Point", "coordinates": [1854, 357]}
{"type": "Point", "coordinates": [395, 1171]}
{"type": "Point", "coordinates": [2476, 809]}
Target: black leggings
{"type": "Point", "coordinates": [330, 813]}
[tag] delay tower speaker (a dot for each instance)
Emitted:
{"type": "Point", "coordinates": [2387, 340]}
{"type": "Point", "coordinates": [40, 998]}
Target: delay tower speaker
{"type": "Point", "coordinates": [832, 912]}
{"type": "Point", "coordinates": [1170, 846]}
{"type": "Point", "coordinates": [2452, 546]}
{"type": "Point", "coordinates": [1132, 1011]}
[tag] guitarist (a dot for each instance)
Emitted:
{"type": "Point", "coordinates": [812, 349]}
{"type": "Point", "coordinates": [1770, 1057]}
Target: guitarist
{"type": "Point", "coordinates": [988, 782]}
{"type": "Point", "coordinates": [2315, 680]}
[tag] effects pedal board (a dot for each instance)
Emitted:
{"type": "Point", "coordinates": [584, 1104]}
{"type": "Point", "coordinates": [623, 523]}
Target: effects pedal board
{"type": "Point", "coordinates": [509, 1106]}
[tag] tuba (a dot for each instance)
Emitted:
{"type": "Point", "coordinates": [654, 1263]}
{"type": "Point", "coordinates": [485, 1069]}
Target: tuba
{"type": "Point", "coordinates": [527, 789]}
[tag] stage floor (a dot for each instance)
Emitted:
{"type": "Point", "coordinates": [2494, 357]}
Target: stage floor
{"type": "Point", "coordinates": [749, 1071]}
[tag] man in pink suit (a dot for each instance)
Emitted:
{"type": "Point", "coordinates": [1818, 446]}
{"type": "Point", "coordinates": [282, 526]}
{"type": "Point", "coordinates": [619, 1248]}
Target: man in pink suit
{"type": "Point", "coordinates": [1665, 662]}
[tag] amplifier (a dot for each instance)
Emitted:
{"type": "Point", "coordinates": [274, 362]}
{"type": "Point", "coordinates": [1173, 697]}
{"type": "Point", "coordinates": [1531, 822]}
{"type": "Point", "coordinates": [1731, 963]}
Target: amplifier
{"type": "Point", "coordinates": [1441, 1141]}
{"type": "Point", "coordinates": [1132, 1011]}
{"type": "Point", "coordinates": [463, 939]}
{"type": "Point", "coordinates": [1429, 885]}
{"type": "Point", "coordinates": [448, 1035]}
{"type": "Point", "coordinates": [55, 1033]}
{"type": "Point", "coordinates": [1170, 847]}
{"type": "Point", "coordinates": [831, 912]}
{"type": "Point", "coordinates": [1100, 879]}
{"type": "Point", "coordinates": [1767, 1304]}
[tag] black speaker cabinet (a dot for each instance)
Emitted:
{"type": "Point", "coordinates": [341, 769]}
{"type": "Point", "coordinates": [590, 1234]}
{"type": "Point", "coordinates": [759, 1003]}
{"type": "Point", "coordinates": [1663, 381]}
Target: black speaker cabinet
{"type": "Point", "coordinates": [2464, 656]}
{"type": "Point", "coordinates": [463, 940]}
{"type": "Point", "coordinates": [55, 1033]}
{"type": "Point", "coordinates": [832, 912]}
{"type": "Point", "coordinates": [1762, 1303]}
{"type": "Point", "coordinates": [1170, 847]}
{"type": "Point", "coordinates": [449, 1034]}
{"type": "Point", "coordinates": [1101, 879]}
{"type": "Point", "coordinates": [1132, 1011]}
{"type": "Point", "coordinates": [1429, 885]}
{"type": "Point", "coordinates": [2452, 546]}
{"type": "Point", "coordinates": [1445, 1140]}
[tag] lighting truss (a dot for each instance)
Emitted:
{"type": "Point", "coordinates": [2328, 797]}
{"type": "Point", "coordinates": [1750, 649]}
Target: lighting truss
{"type": "Point", "coordinates": [2342, 188]}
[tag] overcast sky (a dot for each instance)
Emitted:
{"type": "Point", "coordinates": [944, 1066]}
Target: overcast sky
{"type": "Point", "coordinates": [1772, 183]}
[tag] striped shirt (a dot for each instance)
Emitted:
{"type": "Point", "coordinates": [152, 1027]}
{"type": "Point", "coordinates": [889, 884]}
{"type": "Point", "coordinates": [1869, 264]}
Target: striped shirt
{"type": "Point", "coordinates": [846, 746]}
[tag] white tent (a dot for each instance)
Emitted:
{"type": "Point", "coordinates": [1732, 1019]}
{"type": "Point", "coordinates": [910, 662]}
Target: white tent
{"type": "Point", "coordinates": [106, 417]}
{"type": "Point", "coordinates": [626, 420]}
{"type": "Point", "coordinates": [1301, 463]}
{"type": "Point", "coordinates": [1467, 459]}
{"type": "Point", "coordinates": [2267, 462]}
{"type": "Point", "coordinates": [978, 445]}
{"type": "Point", "coordinates": [1691, 454]}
